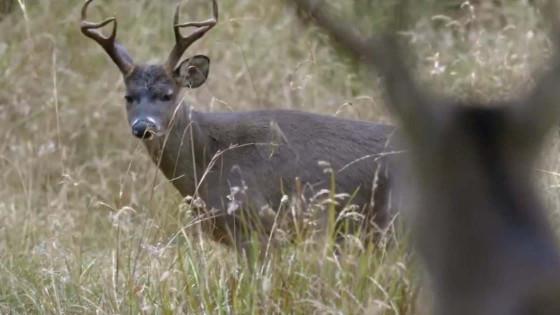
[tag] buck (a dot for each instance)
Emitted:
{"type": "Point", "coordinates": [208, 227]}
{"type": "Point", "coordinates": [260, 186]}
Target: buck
{"type": "Point", "coordinates": [476, 218]}
{"type": "Point", "coordinates": [239, 163]}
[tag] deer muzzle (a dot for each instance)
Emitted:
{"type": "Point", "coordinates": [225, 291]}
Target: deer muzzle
{"type": "Point", "coordinates": [145, 128]}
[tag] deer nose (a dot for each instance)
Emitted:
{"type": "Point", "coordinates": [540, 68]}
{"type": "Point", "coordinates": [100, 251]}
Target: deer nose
{"type": "Point", "coordinates": [144, 129]}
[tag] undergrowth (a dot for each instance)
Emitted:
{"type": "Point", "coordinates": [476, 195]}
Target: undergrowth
{"type": "Point", "coordinates": [87, 223]}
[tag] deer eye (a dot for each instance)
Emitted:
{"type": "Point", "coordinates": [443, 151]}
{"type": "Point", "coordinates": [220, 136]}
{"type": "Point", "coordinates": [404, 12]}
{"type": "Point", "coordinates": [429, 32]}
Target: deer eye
{"type": "Point", "coordinates": [166, 97]}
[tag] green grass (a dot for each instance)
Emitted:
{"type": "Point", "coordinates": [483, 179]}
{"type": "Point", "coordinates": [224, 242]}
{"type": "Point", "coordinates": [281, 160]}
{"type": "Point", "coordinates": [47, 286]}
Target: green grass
{"type": "Point", "coordinates": [87, 223]}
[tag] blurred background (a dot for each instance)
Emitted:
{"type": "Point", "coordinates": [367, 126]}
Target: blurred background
{"type": "Point", "coordinates": [87, 223]}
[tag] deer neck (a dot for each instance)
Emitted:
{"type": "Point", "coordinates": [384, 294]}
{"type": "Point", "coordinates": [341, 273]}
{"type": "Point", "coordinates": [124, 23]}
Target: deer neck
{"type": "Point", "coordinates": [181, 153]}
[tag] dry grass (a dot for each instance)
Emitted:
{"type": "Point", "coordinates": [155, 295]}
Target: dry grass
{"type": "Point", "coordinates": [87, 224]}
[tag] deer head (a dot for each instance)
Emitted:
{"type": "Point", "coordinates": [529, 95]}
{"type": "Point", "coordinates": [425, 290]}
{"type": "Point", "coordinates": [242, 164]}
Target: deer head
{"type": "Point", "coordinates": [152, 91]}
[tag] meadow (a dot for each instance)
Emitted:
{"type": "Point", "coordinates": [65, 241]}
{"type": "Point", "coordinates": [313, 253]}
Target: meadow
{"type": "Point", "coordinates": [87, 223]}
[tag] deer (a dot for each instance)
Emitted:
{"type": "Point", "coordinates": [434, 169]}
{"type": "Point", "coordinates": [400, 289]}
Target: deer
{"type": "Point", "coordinates": [474, 213]}
{"type": "Point", "coordinates": [242, 164]}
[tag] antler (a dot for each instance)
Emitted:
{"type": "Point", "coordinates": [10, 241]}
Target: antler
{"type": "Point", "coordinates": [382, 53]}
{"type": "Point", "coordinates": [183, 42]}
{"type": "Point", "coordinates": [114, 50]}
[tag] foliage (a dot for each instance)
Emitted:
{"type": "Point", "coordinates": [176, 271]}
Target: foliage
{"type": "Point", "coordinates": [87, 224]}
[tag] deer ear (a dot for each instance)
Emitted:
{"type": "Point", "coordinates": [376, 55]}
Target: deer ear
{"type": "Point", "coordinates": [192, 72]}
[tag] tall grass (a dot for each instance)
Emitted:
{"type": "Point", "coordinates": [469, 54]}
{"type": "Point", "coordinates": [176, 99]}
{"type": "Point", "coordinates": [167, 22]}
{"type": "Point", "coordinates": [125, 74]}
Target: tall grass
{"type": "Point", "coordinates": [87, 223]}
